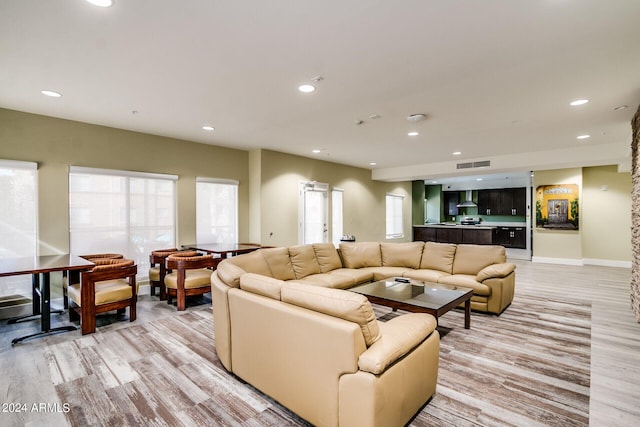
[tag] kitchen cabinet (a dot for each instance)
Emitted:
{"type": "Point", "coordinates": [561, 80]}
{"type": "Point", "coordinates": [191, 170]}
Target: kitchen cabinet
{"type": "Point", "coordinates": [455, 234]}
{"type": "Point", "coordinates": [424, 234]}
{"type": "Point", "coordinates": [451, 200]}
{"type": "Point", "coordinates": [512, 237]}
{"type": "Point", "coordinates": [504, 201]}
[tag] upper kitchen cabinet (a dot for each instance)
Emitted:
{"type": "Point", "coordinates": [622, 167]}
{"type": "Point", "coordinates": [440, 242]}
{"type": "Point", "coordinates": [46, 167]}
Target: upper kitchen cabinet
{"type": "Point", "coordinates": [514, 201]}
{"type": "Point", "coordinates": [451, 200]}
{"type": "Point", "coordinates": [504, 201]}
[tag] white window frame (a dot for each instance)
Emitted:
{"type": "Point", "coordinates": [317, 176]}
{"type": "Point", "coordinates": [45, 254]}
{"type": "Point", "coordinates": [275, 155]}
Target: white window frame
{"type": "Point", "coordinates": [204, 236]}
{"type": "Point", "coordinates": [141, 259]}
{"type": "Point", "coordinates": [28, 247]}
{"type": "Point", "coordinates": [337, 215]}
{"type": "Point", "coordinates": [394, 216]}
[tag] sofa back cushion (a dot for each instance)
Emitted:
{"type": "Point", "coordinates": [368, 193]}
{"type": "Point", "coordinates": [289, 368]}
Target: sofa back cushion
{"type": "Point", "coordinates": [303, 261]}
{"type": "Point", "coordinates": [401, 254]}
{"type": "Point", "coordinates": [230, 269]}
{"type": "Point", "coordinates": [279, 263]}
{"type": "Point", "coordinates": [261, 285]}
{"type": "Point", "coordinates": [359, 255]}
{"type": "Point", "coordinates": [470, 259]}
{"type": "Point", "coordinates": [327, 256]}
{"type": "Point", "coordinates": [337, 303]}
{"type": "Point", "coordinates": [438, 256]}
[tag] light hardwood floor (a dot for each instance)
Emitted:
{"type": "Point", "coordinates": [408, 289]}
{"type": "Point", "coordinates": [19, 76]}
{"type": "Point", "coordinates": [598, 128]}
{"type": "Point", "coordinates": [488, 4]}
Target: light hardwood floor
{"type": "Point", "coordinates": [615, 345]}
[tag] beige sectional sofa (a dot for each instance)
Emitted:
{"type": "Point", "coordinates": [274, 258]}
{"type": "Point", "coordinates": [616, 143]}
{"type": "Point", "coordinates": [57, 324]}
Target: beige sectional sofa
{"type": "Point", "coordinates": [284, 322]}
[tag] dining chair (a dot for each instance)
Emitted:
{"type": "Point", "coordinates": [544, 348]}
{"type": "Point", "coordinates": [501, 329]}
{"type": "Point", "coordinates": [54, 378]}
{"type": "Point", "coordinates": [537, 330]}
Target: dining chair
{"type": "Point", "coordinates": [73, 277]}
{"type": "Point", "coordinates": [157, 271]}
{"type": "Point", "coordinates": [110, 285]}
{"type": "Point", "coordinates": [190, 275]}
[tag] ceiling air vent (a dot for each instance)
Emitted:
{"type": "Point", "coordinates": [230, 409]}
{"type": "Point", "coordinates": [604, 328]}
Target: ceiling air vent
{"type": "Point", "coordinates": [470, 165]}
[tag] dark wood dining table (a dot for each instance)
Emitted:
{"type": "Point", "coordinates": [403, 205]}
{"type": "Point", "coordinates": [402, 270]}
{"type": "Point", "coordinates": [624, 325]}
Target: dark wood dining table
{"type": "Point", "coordinates": [39, 268]}
{"type": "Point", "coordinates": [223, 249]}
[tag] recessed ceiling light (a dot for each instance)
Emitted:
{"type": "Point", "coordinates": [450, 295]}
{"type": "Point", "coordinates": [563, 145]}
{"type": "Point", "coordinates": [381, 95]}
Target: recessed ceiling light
{"type": "Point", "coordinates": [578, 102]}
{"type": "Point", "coordinates": [620, 107]}
{"type": "Point", "coordinates": [101, 3]}
{"type": "Point", "coordinates": [208, 128]}
{"type": "Point", "coordinates": [372, 163]}
{"type": "Point", "coordinates": [413, 133]}
{"type": "Point", "coordinates": [316, 151]}
{"type": "Point", "coordinates": [51, 93]}
{"type": "Point", "coordinates": [457, 153]}
{"type": "Point", "coordinates": [585, 136]}
{"type": "Point", "coordinates": [478, 179]}
{"type": "Point", "coordinates": [306, 88]}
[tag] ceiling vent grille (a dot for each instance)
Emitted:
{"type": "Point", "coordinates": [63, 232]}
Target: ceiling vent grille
{"type": "Point", "coordinates": [471, 165]}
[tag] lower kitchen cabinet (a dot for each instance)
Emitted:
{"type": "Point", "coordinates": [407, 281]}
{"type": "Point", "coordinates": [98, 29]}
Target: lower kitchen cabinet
{"type": "Point", "coordinates": [512, 237]}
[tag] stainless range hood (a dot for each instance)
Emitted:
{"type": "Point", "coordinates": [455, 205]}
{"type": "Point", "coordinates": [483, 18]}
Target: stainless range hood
{"type": "Point", "coordinates": [468, 201]}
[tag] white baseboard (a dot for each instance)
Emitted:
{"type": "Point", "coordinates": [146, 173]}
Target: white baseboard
{"type": "Point", "coordinates": [583, 261]}
{"type": "Point", "coordinates": [607, 262]}
{"type": "Point", "coordinates": [563, 261]}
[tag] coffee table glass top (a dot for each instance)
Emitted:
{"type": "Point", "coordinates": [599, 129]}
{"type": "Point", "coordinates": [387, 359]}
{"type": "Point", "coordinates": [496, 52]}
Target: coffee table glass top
{"type": "Point", "coordinates": [421, 294]}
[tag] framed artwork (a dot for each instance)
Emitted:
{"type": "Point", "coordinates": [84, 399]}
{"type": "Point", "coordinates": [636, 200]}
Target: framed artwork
{"type": "Point", "coordinates": [557, 207]}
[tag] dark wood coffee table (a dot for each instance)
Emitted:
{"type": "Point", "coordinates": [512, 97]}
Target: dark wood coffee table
{"type": "Point", "coordinates": [418, 297]}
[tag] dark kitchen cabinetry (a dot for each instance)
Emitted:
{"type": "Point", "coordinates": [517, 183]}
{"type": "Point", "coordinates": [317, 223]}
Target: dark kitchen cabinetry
{"type": "Point", "coordinates": [424, 234]}
{"type": "Point", "coordinates": [512, 237]}
{"type": "Point", "coordinates": [505, 201]}
{"type": "Point", "coordinates": [451, 200]}
{"type": "Point", "coordinates": [514, 201]}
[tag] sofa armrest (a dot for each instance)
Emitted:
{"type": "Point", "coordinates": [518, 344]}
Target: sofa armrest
{"type": "Point", "coordinates": [399, 336]}
{"type": "Point", "coordinates": [495, 271]}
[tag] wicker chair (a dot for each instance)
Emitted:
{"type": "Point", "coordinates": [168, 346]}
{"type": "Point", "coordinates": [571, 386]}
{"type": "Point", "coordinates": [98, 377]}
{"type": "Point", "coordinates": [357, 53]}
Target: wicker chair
{"type": "Point", "coordinates": [191, 275]}
{"type": "Point", "coordinates": [110, 285]}
{"type": "Point", "coordinates": [73, 277]}
{"type": "Point", "coordinates": [157, 271]}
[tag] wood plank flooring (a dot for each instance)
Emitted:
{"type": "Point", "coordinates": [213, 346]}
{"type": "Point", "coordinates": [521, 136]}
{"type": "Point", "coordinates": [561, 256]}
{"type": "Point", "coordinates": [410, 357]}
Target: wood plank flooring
{"type": "Point", "coordinates": [578, 364]}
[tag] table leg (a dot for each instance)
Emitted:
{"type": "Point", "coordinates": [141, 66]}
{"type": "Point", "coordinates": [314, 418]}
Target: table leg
{"type": "Point", "coordinates": [44, 297]}
{"type": "Point", "coordinates": [467, 314]}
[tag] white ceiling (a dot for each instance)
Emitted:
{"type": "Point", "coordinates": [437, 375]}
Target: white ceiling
{"type": "Point", "coordinates": [494, 77]}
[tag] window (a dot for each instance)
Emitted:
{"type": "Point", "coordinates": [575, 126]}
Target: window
{"type": "Point", "coordinates": [394, 216]}
{"type": "Point", "coordinates": [123, 212]}
{"type": "Point", "coordinates": [216, 211]}
{"type": "Point", "coordinates": [336, 215]}
{"type": "Point", "coordinates": [18, 220]}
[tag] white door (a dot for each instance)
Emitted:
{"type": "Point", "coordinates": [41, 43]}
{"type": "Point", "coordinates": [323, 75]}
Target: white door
{"type": "Point", "coordinates": [314, 213]}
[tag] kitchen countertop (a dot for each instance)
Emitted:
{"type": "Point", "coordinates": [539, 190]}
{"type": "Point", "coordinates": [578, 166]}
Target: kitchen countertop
{"type": "Point", "coordinates": [484, 224]}
{"type": "Point", "coordinates": [449, 225]}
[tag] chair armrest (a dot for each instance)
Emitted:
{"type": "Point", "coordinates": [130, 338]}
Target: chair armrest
{"type": "Point", "coordinates": [495, 271]}
{"type": "Point", "coordinates": [399, 336]}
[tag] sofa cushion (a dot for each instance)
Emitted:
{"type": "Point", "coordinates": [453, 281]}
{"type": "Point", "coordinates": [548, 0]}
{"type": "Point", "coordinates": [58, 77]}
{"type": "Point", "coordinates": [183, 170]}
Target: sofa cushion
{"type": "Point", "coordinates": [327, 256]}
{"type": "Point", "coordinates": [230, 273]}
{"type": "Point", "coordinates": [279, 263]}
{"type": "Point", "coordinates": [357, 274]}
{"type": "Point", "coordinates": [425, 275]}
{"type": "Point", "coordinates": [470, 259]}
{"type": "Point", "coordinates": [261, 285]}
{"type": "Point", "coordinates": [359, 255]}
{"type": "Point", "coordinates": [335, 302]}
{"type": "Point", "coordinates": [466, 281]}
{"type": "Point", "coordinates": [303, 260]}
{"type": "Point", "coordinates": [381, 273]}
{"type": "Point", "coordinates": [401, 254]}
{"type": "Point", "coordinates": [495, 271]}
{"type": "Point", "coordinates": [398, 337]}
{"type": "Point", "coordinates": [438, 256]}
{"type": "Point", "coordinates": [252, 262]}
{"type": "Point", "coordinates": [328, 280]}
